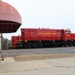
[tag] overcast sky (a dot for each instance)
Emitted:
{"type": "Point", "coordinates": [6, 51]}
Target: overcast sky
{"type": "Point", "coordinates": [59, 14]}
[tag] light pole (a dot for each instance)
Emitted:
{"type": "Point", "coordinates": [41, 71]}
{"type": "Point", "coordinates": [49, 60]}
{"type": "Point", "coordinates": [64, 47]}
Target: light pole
{"type": "Point", "coordinates": [1, 44]}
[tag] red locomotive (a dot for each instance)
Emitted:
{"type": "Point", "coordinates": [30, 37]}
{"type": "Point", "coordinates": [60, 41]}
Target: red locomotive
{"type": "Point", "coordinates": [36, 38]}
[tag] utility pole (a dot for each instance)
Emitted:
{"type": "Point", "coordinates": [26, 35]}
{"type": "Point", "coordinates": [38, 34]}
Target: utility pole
{"type": "Point", "coordinates": [1, 44]}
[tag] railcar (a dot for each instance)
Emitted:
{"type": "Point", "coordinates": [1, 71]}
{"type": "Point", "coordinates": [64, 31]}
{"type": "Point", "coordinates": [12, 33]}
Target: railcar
{"type": "Point", "coordinates": [17, 42]}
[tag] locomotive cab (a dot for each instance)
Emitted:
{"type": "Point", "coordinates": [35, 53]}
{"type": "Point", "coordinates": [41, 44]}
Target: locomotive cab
{"type": "Point", "coordinates": [67, 31]}
{"type": "Point", "coordinates": [67, 38]}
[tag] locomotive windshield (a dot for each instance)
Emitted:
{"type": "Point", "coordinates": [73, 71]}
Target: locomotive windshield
{"type": "Point", "coordinates": [68, 32]}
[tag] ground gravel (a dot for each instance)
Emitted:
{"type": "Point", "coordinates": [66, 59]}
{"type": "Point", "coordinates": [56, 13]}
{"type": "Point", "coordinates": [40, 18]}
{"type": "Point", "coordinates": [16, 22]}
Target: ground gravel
{"type": "Point", "coordinates": [18, 52]}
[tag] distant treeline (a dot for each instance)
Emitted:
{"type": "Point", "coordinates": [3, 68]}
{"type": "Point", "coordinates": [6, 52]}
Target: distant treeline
{"type": "Point", "coordinates": [6, 43]}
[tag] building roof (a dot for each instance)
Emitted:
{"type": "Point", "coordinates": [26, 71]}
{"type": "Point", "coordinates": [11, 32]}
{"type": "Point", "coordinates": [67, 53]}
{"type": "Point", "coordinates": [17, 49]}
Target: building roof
{"type": "Point", "coordinates": [10, 19]}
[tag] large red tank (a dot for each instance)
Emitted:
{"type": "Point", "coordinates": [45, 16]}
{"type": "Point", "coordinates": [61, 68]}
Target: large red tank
{"type": "Point", "coordinates": [10, 19]}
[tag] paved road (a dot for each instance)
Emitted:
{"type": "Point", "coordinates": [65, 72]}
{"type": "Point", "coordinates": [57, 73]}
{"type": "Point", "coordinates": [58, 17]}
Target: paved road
{"type": "Point", "coordinates": [62, 50]}
{"type": "Point", "coordinates": [62, 66]}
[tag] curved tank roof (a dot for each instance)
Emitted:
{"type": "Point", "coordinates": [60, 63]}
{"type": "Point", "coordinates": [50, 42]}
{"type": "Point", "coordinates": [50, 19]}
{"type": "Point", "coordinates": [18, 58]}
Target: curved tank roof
{"type": "Point", "coordinates": [10, 19]}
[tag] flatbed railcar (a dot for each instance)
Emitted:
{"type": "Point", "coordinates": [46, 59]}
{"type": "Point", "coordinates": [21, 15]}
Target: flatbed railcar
{"type": "Point", "coordinates": [39, 38]}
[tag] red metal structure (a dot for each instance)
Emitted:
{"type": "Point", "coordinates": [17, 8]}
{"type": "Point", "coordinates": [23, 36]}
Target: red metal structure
{"type": "Point", "coordinates": [10, 19]}
{"type": "Point", "coordinates": [32, 37]}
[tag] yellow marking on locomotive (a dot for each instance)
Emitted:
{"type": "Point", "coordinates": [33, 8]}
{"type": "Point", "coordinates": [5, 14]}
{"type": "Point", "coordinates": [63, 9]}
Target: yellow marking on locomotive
{"type": "Point", "coordinates": [53, 33]}
{"type": "Point", "coordinates": [67, 35]}
{"type": "Point", "coordinates": [48, 33]}
{"type": "Point", "coordinates": [40, 41]}
{"type": "Point", "coordinates": [40, 33]}
{"type": "Point", "coordinates": [44, 33]}
{"type": "Point", "coordinates": [26, 41]}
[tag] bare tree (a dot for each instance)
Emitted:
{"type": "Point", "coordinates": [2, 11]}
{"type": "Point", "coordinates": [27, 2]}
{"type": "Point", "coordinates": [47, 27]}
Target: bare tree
{"type": "Point", "coordinates": [6, 43]}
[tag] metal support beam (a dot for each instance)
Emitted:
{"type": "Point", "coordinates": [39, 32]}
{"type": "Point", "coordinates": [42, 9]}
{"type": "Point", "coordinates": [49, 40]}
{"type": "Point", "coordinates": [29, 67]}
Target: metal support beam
{"type": "Point", "coordinates": [1, 46]}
